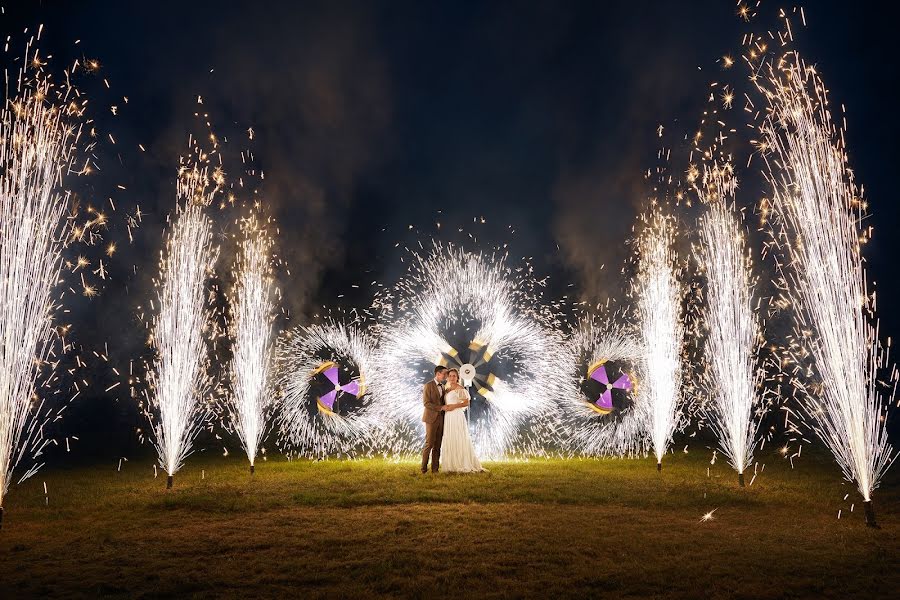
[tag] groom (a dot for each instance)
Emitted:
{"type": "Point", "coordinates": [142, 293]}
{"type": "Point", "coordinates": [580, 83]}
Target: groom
{"type": "Point", "coordinates": [433, 417]}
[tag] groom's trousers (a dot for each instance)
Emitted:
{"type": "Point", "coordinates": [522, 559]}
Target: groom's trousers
{"type": "Point", "coordinates": [434, 433]}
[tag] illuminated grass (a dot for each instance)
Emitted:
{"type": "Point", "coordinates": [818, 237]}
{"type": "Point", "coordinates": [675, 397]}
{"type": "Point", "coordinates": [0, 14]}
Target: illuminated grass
{"type": "Point", "coordinates": [579, 527]}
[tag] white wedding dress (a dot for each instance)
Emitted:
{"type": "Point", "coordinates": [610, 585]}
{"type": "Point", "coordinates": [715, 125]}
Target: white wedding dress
{"type": "Point", "coordinates": [457, 452]}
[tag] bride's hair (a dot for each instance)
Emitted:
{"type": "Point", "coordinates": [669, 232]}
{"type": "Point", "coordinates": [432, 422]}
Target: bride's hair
{"type": "Point", "coordinates": [453, 371]}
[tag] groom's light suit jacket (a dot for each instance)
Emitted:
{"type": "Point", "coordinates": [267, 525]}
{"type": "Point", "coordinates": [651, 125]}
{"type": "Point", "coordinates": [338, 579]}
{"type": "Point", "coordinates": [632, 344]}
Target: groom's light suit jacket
{"type": "Point", "coordinates": [432, 398]}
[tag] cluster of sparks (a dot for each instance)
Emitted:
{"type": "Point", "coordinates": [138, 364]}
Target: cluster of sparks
{"type": "Point", "coordinates": [818, 214]}
{"type": "Point", "coordinates": [733, 331]}
{"type": "Point", "coordinates": [252, 315]}
{"type": "Point", "coordinates": [179, 378]}
{"type": "Point", "coordinates": [659, 306]}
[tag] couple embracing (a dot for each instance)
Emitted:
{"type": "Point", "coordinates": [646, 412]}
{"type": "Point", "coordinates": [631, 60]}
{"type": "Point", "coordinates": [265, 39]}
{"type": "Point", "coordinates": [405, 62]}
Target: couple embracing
{"type": "Point", "coordinates": [446, 426]}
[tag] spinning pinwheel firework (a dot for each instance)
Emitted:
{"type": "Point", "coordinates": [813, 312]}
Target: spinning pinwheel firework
{"type": "Point", "coordinates": [313, 422]}
{"type": "Point", "coordinates": [331, 371]}
{"type": "Point", "coordinates": [604, 415]}
{"type": "Point", "coordinates": [597, 372]}
{"type": "Point", "coordinates": [479, 356]}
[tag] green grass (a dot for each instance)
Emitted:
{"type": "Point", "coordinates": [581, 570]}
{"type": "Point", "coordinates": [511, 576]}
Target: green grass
{"type": "Point", "coordinates": [540, 528]}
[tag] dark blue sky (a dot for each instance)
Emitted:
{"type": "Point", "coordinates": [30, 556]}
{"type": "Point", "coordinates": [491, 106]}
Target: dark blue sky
{"type": "Point", "coordinates": [370, 117]}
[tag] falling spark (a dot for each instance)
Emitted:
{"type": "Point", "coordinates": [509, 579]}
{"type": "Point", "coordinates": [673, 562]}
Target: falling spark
{"type": "Point", "coordinates": [178, 377]}
{"type": "Point", "coordinates": [820, 214]}
{"type": "Point", "coordinates": [733, 332]}
{"type": "Point", "coordinates": [659, 294]}
{"type": "Point", "coordinates": [708, 516]}
{"type": "Point", "coordinates": [253, 313]}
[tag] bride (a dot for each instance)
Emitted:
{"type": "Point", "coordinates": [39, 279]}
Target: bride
{"type": "Point", "coordinates": [457, 451]}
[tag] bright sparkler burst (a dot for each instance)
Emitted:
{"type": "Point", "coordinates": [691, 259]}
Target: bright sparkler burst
{"type": "Point", "coordinates": [310, 426]}
{"type": "Point", "coordinates": [253, 313]}
{"type": "Point", "coordinates": [36, 150]}
{"type": "Point", "coordinates": [818, 214]}
{"type": "Point", "coordinates": [659, 297]}
{"type": "Point", "coordinates": [733, 331]}
{"type": "Point", "coordinates": [179, 379]}
{"type": "Point", "coordinates": [456, 307]}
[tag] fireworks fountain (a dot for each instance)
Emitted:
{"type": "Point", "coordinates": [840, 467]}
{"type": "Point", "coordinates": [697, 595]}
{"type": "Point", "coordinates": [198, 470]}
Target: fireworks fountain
{"type": "Point", "coordinates": [512, 354]}
{"type": "Point", "coordinates": [36, 150]}
{"type": "Point", "coordinates": [659, 297]}
{"type": "Point", "coordinates": [818, 211]}
{"type": "Point", "coordinates": [253, 313]}
{"type": "Point", "coordinates": [733, 332]}
{"type": "Point", "coordinates": [178, 377]}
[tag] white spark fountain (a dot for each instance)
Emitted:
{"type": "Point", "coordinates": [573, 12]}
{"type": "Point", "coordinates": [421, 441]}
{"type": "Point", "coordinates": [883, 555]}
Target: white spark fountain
{"type": "Point", "coordinates": [659, 296]}
{"type": "Point", "coordinates": [36, 151]}
{"type": "Point", "coordinates": [818, 214]}
{"type": "Point", "coordinates": [252, 315]}
{"type": "Point", "coordinates": [179, 380]}
{"type": "Point", "coordinates": [733, 339]}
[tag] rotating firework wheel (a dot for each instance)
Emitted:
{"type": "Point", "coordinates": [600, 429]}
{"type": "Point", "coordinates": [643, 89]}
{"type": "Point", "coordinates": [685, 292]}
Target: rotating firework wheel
{"type": "Point", "coordinates": [323, 375]}
{"type": "Point", "coordinates": [605, 411]}
{"type": "Point", "coordinates": [475, 371]}
{"type": "Point", "coordinates": [330, 374]}
{"type": "Point", "coordinates": [620, 387]}
{"type": "Point", "coordinates": [488, 321]}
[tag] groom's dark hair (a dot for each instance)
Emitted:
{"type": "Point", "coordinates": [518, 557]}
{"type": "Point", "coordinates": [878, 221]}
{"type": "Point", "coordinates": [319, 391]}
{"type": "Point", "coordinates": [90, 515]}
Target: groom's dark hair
{"type": "Point", "coordinates": [438, 369]}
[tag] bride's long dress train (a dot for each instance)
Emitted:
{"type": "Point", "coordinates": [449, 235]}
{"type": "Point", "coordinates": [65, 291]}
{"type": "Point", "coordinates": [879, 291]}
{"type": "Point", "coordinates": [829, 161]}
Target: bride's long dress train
{"type": "Point", "coordinates": [457, 451]}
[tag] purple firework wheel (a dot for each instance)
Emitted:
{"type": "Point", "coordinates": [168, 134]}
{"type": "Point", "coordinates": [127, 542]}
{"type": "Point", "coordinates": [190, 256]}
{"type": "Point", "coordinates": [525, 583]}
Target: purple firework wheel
{"type": "Point", "coordinates": [599, 373]}
{"type": "Point", "coordinates": [331, 372]}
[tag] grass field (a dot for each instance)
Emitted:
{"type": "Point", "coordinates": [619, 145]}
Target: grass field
{"type": "Point", "coordinates": [543, 528]}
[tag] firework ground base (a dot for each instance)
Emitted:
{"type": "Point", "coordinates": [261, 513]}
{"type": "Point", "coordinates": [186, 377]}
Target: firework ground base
{"type": "Point", "coordinates": [741, 479]}
{"type": "Point", "coordinates": [170, 480]}
{"type": "Point", "coordinates": [870, 515]}
{"type": "Point", "coordinates": [252, 469]}
{"type": "Point", "coordinates": [114, 533]}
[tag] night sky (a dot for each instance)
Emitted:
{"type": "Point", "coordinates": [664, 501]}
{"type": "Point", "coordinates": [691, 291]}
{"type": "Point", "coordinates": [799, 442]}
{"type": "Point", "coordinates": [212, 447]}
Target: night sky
{"type": "Point", "coordinates": [540, 117]}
